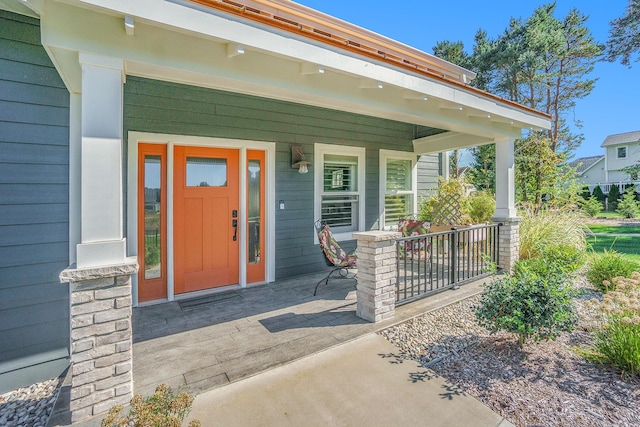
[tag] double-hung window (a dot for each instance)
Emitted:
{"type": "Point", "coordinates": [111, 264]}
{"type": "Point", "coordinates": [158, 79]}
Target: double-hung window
{"type": "Point", "coordinates": [398, 183]}
{"type": "Point", "coordinates": [339, 188]}
{"type": "Point", "coordinates": [621, 152]}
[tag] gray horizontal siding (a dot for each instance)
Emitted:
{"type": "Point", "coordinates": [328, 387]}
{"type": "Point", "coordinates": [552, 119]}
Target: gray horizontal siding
{"type": "Point", "coordinates": [162, 107]}
{"type": "Point", "coordinates": [428, 172]}
{"type": "Point", "coordinates": [34, 207]}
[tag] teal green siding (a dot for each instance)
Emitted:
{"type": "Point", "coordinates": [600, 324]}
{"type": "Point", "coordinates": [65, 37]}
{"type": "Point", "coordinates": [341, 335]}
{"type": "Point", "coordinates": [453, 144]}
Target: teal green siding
{"type": "Point", "coordinates": [161, 107]}
{"type": "Point", "coordinates": [34, 208]}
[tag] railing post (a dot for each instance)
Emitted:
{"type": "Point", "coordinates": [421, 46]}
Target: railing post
{"type": "Point", "coordinates": [377, 275]}
{"type": "Point", "coordinates": [454, 256]}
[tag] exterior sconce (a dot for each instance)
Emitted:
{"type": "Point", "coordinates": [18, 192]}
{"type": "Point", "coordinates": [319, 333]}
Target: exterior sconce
{"type": "Point", "coordinates": [298, 160]}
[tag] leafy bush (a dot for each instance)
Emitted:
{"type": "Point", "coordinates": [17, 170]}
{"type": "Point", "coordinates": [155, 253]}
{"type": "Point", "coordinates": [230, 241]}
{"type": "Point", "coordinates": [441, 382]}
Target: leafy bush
{"type": "Point", "coordinates": [162, 409]}
{"type": "Point", "coordinates": [529, 306]}
{"type": "Point", "coordinates": [592, 206]}
{"type": "Point", "coordinates": [613, 197]}
{"type": "Point", "coordinates": [604, 266]}
{"type": "Point", "coordinates": [545, 230]}
{"type": "Point", "coordinates": [629, 207]}
{"type": "Point", "coordinates": [618, 342]}
{"type": "Point", "coordinates": [482, 206]}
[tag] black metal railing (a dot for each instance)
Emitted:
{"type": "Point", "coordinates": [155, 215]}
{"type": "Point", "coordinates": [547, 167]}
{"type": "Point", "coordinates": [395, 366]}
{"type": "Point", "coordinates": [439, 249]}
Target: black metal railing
{"type": "Point", "coordinates": [433, 262]}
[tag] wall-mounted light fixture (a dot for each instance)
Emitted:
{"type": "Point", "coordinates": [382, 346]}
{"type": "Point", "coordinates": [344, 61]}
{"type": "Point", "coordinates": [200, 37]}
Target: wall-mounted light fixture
{"type": "Point", "coordinates": [298, 160]}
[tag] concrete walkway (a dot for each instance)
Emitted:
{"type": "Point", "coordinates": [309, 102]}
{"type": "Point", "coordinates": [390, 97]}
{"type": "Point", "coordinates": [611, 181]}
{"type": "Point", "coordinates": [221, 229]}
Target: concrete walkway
{"type": "Point", "coordinates": [360, 383]}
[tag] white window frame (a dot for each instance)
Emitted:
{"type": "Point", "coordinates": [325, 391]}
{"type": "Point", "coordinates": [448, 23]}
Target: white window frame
{"type": "Point", "coordinates": [318, 165]}
{"type": "Point", "coordinates": [386, 155]}
{"type": "Point", "coordinates": [626, 152]}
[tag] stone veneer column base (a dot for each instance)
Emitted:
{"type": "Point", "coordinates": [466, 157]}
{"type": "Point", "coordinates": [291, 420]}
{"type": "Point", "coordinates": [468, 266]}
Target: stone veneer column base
{"type": "Point", "coordinates": [377, 266]}
{"type": "Point", "coordinates": [101, 337]}
{"type": "Point", "coordinates": [509, 241]}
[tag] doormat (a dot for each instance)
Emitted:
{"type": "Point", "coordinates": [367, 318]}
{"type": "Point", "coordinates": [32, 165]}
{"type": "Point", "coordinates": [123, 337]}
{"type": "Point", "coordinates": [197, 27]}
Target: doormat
{"type": "Point", "coordinates": [196, 303]}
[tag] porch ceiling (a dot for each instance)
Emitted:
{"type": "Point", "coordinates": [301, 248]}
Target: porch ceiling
{"type": "Point", "coordinates": [185, 43]}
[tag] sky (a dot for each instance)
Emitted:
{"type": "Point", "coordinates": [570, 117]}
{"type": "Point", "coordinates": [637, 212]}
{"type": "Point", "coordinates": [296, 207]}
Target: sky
{"type": "Point", "coordinates": [612, 107]}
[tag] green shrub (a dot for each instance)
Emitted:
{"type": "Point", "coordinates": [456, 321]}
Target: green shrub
{"type": "Point", "coordinates": [613, 198]}
{"type": "Point", "coordinates": [482, 206]}
{"type": "Point", "coordinates": [629, 206]}
{"type": "Point", "coordinates": [585, 193]}
{"type": "Point", "coordinates": [559, 259]}
{"type": "Point", "coordinates": [592, 206]}
{"type": "Point", "coordinates": [618, 342]}
{"type": "Point", "coordinates": [545, 230]}
{"type": "Point", "coordinates": [604, 266]}
{"type": "Point", "coordinates": [529, 306]}
{"type": "Point", "coordinates": [162, 409]}
{"type": "Point", "coordinates": [599, 194]}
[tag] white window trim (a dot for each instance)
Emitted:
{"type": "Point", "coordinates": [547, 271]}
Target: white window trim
{"type": "Point", "coordinates": [626, 152]}
{"type": "Point", "coordinates": [396, 155]}
{"type": "Point", "coordinates": [318, 165]}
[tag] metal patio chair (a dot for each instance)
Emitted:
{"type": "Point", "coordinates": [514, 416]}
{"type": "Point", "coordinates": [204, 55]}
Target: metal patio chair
{"type": "Point", "coordinates": [334, 255]}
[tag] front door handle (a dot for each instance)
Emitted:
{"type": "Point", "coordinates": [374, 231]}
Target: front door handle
{"type": "Point", "coordinates": [234, 224]}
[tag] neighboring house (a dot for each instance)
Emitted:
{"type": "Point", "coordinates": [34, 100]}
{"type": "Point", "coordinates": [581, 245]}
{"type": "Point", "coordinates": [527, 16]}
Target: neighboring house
{"type": "Point", "coordinates": [589, 170]}
{"type": "Point", "coordinates": [171, 134]}
{"type": "Point", "coordinates": [620, 151]}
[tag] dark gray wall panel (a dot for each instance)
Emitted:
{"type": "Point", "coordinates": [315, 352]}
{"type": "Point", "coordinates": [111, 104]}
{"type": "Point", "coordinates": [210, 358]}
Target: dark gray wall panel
{"type": "Point", "coordinates": [162, 107]}
{"type": "Point", "coordinates": [34, 207]}
{"type": "Point", "coordinates": [428, 172]}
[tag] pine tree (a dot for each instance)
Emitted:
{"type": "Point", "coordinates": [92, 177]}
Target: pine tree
{"type": "Point", "coordinates": [599, 194]}
{"type": "Point", "coordinates": [613, 197]}
{"type": "Point", "coordinates": [624, 36]}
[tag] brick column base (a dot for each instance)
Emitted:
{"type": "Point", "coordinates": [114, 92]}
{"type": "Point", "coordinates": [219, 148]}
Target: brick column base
{"type": "Point", "coordinates": [509, 241]}
{"type": "Point", "coordinates": [377, 265]}
{"type": "Point", "coordinates": [101, 338]}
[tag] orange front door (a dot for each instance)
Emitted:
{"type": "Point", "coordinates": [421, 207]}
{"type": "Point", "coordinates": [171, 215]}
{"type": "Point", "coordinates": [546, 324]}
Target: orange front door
{"type": "Point", "coordinates": [206, 218]}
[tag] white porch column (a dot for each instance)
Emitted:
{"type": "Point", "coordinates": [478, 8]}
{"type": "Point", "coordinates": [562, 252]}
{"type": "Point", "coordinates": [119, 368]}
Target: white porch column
{"type": "Point", "coordinates": [505, 179]}
{"type": "Point", "coordinates": [506, 213]}
{"type": "Point", "coordinates": [101, 217]}
{"type": "Point", "coordinates": [445, 164]}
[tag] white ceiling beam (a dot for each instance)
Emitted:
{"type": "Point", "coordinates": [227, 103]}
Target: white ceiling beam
{"type": "Point", "coordinates": [447, 141]}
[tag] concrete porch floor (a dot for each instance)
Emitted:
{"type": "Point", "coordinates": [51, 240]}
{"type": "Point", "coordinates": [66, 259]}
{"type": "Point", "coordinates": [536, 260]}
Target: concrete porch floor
{"type": "Point", "coordinates": [207, 342]}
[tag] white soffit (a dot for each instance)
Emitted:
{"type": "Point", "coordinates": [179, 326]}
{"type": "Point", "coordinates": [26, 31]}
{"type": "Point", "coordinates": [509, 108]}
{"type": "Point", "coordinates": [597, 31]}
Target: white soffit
{"type": "Point", "coordinates": [190, 45]}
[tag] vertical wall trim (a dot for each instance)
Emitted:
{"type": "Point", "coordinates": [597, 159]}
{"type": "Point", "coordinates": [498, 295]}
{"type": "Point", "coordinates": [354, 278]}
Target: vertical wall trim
{"type": "Point", "coordinates": [75, 160]}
